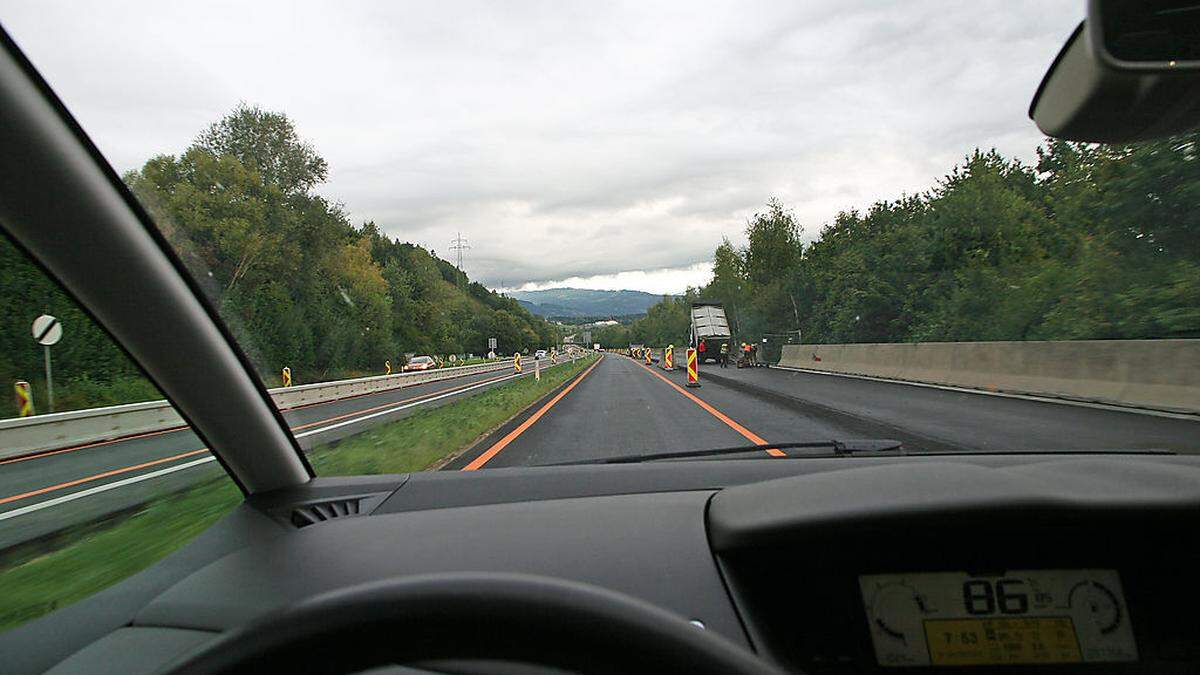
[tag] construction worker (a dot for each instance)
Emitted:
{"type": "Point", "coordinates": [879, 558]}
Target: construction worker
{"type": "Point", "coordinates": [700, 350]}
{"type": "Point", "coordinates": [723, 359]}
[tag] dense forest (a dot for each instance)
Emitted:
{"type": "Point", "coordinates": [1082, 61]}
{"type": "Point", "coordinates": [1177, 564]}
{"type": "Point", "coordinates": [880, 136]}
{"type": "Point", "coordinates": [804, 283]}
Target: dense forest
{"type": "Point", "coordinates": [1089, 242]}
{"type": "Point", "coordinates": [297, 283]}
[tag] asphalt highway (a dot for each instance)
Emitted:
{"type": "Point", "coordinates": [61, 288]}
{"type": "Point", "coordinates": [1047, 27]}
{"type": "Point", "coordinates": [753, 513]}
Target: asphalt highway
{"type": "Point", "coordinates": [624, 407]}
{"type": "Point", "coordinates": [45, 492]}
{"type": "Point", "coordinates": [617, 407]}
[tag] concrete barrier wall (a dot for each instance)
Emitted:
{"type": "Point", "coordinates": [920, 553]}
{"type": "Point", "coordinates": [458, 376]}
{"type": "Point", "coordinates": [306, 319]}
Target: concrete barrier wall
{"type": "Point", "coordinates": [1156, 374]}
{"type": "Point", "coordinates": [24, 435]}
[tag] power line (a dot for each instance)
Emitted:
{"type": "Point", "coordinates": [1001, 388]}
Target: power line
{"type": "Point", "coordinates": [458, 245]}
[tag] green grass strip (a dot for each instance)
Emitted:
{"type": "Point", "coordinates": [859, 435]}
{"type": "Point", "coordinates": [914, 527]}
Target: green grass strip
{"type": "Point", "coordinates": [41, 579]}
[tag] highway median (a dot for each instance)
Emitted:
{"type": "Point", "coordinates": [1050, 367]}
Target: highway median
{"type": "Point", "coordinates": [87, 558]}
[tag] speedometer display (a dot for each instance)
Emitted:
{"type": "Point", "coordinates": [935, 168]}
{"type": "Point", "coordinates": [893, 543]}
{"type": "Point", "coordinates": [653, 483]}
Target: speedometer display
{"type": "Point", "coordinates": [1019, 617]}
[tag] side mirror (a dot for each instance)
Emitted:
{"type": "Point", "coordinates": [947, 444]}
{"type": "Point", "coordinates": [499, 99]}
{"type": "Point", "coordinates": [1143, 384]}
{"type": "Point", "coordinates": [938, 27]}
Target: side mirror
{"type": "Point", "coordinates": [1130, 72]}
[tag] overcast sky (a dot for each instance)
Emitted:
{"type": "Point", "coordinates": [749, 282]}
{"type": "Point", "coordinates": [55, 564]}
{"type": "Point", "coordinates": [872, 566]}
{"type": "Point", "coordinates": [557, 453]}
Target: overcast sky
{"type": "Point", "coordinates": [594, 144]}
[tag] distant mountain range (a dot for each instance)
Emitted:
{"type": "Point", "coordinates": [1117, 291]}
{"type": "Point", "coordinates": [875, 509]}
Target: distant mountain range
{"type": "Point", "coordinates": [584, 303]}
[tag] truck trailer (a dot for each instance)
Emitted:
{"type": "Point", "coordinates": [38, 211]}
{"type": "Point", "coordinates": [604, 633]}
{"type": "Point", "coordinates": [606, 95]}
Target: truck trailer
{"type": "Point", "coordinates": [709, 326]}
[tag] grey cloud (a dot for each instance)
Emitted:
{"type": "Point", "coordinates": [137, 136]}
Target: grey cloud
{"type": "Point", "coordinates": [570, 139]}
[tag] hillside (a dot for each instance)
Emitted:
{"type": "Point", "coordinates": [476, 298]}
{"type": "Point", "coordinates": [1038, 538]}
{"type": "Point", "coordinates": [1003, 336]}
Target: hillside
{"type": "Point", "coordinates": [582, 302]}
{"type": "Point", "coordinates": [296, 282]}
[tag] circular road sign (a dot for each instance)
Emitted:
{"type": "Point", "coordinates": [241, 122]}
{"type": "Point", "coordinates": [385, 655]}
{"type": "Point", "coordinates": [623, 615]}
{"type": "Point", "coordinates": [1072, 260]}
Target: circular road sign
{"type": "Point", "coordinates": [47, 330]}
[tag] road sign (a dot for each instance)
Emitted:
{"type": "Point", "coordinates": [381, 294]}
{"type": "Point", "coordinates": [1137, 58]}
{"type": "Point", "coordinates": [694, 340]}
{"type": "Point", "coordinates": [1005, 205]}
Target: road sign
{"type": "Point", "coordinates": [287, 376]}
{"type": "Point", "coordinates": [491, 343]}
{"type": "Point", "coordinates": [47, 330]}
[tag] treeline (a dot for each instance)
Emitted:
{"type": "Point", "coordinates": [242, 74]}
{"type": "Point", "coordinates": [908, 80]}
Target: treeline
{"type": "Point", "coordinates": [297, 283]}
{"type": "Point", "coordinates": [666, 322]}
{"type": "Point", "coordinates": [1090, 242]}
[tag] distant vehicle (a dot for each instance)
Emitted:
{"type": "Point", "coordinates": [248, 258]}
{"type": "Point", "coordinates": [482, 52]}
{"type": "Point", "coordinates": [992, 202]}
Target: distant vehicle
{"type": "Point", "coordinates": [420, 363]}
{"type": "Point", "coordinates": [540, 354]}
{"type": "Point", "coordinates": [709, 326]}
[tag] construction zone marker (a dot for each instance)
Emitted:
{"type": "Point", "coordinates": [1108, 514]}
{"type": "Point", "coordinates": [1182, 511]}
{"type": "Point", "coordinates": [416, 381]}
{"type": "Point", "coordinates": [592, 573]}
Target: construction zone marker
{"type": "Point", "coordinates": [669, 358]}
{"type": "Point", "coordinates": [24, 398]}
{"type": "Point", "coordinates": [693, 374]}
{"type": "Point", "coordinates": [287, 376]}
{"type": "Point", "coordinates": [517, 362]}
{"type": "Point", "coordinates": [648, 361]}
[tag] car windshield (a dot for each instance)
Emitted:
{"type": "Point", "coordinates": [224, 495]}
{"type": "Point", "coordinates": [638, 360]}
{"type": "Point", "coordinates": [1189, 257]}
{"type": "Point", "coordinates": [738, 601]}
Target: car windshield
{"type": "Point", "coordinates": [464, 236]}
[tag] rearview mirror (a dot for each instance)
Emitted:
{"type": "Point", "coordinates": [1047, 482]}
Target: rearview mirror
{"type": "Point", "coordinates": [1110, 84]}
{"type": "Point", "coordinates": [1146, 35]}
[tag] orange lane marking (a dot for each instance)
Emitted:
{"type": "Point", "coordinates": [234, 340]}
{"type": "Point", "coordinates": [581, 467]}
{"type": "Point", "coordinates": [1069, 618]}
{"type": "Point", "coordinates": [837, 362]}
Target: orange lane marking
{"type": "Point", "coordinates": [192, 453]}
{"type": "Point", "coordinates": [750, 435]}
{"type": "Point", "coordinates": [512, 435]}
{"type": "Point", "coordinates": [106, 474]}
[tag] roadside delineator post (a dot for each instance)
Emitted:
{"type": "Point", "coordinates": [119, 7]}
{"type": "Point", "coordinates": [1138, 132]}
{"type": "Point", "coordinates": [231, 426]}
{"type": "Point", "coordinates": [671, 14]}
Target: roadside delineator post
{"type": "Point", "coordinates": [287, 376]}
{"type": "Point", "coordinates": [537, 369]}
{"type": "Point", "coordinates": [517, 363]}
{"type": "Point", "coordinates": [669, 358]}
{"type": "Point", "coordinates": [24, 398]}
{"type": "Point", "coordinates": [693, 375]}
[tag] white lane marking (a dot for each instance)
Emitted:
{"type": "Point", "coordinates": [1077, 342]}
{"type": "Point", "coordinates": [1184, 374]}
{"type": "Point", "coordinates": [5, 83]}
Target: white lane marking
{"type": "Point", "coordinates": [102, 488]}
{"type": "Point", "coordinates": [180, 467]}
{"type": "Point", "coordinates": [1002, 394]}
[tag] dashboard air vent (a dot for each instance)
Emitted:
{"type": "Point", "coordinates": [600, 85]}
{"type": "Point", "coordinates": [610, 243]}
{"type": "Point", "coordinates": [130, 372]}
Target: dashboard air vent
{"type": "Point", "coordinates": [319, 512]}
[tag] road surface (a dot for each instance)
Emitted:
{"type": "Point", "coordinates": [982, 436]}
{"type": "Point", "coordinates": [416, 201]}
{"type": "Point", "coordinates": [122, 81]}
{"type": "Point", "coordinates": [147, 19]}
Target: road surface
{"type": "Point", "coordinates": [615, 408]}
{"type": "Point", "coordinates": [52, 490]}
{"type": "Point", "coordinates": [624, 407]}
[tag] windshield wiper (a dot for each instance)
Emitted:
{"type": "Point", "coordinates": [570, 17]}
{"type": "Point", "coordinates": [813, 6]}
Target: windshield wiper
{"type": "Point", "coordinates": [836, 448]}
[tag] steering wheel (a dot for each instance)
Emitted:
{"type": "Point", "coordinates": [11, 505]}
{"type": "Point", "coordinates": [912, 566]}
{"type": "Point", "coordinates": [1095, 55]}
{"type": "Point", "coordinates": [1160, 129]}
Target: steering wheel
{"type": "Point", "coordinates": [470, 616]}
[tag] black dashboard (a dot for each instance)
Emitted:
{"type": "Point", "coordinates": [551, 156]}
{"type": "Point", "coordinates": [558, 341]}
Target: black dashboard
{"type": "Point", "coordinates": [1096, 550]}
{"type": "Point", "coordinates": [777, 556]}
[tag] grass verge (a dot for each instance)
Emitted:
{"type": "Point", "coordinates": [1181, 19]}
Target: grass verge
{"type": "Point", "coordinates": [37, 580]}
{"type": "Point", "coordinates": [427, 438]}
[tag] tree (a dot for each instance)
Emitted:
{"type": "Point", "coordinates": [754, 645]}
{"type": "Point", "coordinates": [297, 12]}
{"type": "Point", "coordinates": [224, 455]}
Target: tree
{"type": "Point", "coordinates": [1092, 242]}
{"type": "Point", "coordinates": [266, 142]}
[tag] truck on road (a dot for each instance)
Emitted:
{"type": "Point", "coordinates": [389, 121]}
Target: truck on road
{"type": "Point", "coordinates": [710, 327]}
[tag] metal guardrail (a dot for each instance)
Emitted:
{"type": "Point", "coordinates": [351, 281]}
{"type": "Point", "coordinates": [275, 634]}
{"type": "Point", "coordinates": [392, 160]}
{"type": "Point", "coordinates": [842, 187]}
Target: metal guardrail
{"type": "Point", "coordinates": [25, 435]}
